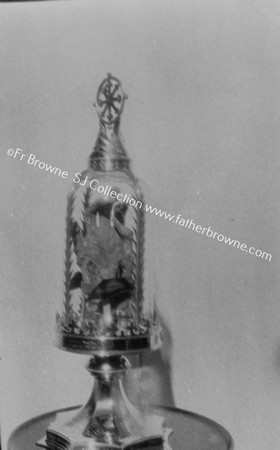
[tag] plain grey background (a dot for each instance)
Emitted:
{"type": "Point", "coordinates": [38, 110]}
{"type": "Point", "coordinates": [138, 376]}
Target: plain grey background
{"type": "Point", "coordinates": [202, 127]}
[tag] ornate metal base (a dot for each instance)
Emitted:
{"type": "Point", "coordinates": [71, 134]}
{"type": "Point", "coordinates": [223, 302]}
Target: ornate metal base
{"type": "Point", "coordinates": [108, 344]}
{"type": "Point", "coordinates": [108, 421]}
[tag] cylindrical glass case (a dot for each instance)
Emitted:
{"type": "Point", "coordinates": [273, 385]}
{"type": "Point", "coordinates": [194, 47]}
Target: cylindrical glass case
{"type": "Point", "coordinates": [108, 304]}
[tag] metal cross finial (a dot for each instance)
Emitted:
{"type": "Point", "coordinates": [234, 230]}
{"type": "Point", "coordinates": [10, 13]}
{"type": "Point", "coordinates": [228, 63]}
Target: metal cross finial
{"type": "Point", "coordinates": [110, 100]}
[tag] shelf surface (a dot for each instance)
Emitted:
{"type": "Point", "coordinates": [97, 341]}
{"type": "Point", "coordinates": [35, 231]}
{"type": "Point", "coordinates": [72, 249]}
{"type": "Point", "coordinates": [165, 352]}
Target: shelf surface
{"type": "Point", "coordinates": [190, 431]}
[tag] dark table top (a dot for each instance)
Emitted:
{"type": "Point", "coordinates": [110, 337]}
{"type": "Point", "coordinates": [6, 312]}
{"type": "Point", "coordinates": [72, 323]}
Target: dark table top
{"type": "Point", "coordinates": [190, 431]}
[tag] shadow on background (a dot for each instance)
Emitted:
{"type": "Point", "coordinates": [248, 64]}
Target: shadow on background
{"type": "Point", "coordinates": [150, 379]}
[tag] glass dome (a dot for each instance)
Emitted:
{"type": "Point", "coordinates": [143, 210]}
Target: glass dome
{"type": "Point", "coordinates": [108, 306]}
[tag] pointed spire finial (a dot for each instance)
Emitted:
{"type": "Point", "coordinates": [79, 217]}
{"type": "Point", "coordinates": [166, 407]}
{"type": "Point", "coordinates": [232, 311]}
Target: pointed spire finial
{"type": "Point", "coordinates": [109, 153]}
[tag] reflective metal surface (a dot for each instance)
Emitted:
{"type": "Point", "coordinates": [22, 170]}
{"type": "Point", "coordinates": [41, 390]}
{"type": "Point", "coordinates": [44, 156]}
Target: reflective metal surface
{"type": "Point", "coordinates": [191, 431]}
{"type": "Point", "coordinates": [108, 420]}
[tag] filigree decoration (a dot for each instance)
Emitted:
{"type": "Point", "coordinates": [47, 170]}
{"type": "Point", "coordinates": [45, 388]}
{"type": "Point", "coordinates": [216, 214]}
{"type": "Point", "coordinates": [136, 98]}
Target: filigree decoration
{"type": "Point", "coordinates": [68, 257]}
{"type": "Point", "coordinates": [139, 243]}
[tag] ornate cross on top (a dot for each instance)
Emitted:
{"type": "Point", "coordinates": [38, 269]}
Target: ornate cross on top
{"type": "Point", "coordinates": [110, 100]}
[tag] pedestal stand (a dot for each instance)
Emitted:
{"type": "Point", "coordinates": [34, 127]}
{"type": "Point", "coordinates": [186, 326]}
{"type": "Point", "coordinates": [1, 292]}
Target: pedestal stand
{"type": "Point", "coordinates": [108, 421]}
